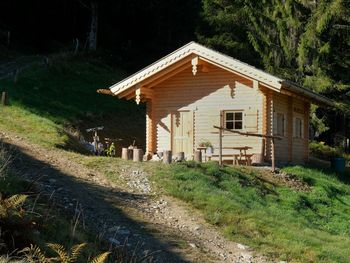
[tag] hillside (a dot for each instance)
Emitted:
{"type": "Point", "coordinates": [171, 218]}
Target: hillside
{"type": "Point", "coordinates": [189, 211]}
{"type": "Point", "coordinates": [50, 105]}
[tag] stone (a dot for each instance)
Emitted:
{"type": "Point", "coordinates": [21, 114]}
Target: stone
{"type": "Point", "coordinates": [114, 241]}
{"type": "Point", "coordinates": [240, 246]}
{"type": "Point", "coordinates": [113, 229]}
{"type": "Point", "coordinates": [52, 181]}
{"type": "Point", "coordinates": [192, 245]}
{"type": "Point", "coordinates": [123, 232]}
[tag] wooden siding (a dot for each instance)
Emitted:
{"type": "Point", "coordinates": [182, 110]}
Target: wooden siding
{"type": "Point", "coordinates": [206, 94]}
{"type": "Point", "coordinates": [290, 148]}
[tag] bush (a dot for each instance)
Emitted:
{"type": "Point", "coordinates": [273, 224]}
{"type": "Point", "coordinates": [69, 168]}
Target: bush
{"type": "Point", "coordinates": [326, 152]}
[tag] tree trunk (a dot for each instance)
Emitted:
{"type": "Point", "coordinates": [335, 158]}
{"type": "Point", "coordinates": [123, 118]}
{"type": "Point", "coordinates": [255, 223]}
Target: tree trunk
{"type": "Point", "coordinates": [92, 39]}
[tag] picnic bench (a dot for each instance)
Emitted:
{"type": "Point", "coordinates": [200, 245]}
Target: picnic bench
{"type": "Point", "coordinates": [241, 158]}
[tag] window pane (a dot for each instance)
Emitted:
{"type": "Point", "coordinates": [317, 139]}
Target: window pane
{"type": "Point", "coordinates": [238, 125]}
{"type": "Point", "coordinates": [229, 125]}
{"type": "Point", "coordinates": [238, 116]}
{"type": "Point", "coordinates": [229, 116]}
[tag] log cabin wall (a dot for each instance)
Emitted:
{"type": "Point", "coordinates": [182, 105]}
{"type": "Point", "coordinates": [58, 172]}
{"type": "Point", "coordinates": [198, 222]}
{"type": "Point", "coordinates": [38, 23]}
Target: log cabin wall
{"type": "Point", "coordinates": [292, 148]}
{"type": "Point", "coordinates": [207, 95]}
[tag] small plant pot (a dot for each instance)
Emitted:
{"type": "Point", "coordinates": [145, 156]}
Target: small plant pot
{"type": "Point", "coordinates": [210, 150]}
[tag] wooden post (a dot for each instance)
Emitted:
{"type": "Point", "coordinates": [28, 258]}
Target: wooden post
{"type": "Point", "coordinates": [198, 156]}
{"type": "Point", "coordinates": [220, 146]}
{"type": "Point", "coordinates": [125, 153]}
{"type": "Point", "coordinates": [4, 98]}
{"type": "Point", "coordinates": [137, 155]}
{"type": "Point", "coordinates": [167, 157]}
{"type": "Point", "coordinates": [180, 156]}
{"type": "Point", "coordinates": [273, 164]}
{"type": "Point", "coordinates": [130, 153]}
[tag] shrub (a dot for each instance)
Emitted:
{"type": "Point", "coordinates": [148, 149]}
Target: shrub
{"type": "Point", "coordinates": [326, 152]}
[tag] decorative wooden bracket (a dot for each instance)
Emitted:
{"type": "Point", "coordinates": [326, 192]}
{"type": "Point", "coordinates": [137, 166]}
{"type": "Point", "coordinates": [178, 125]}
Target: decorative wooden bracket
{"type": "Point", "coordinates": [255, 84]}
{"type": "Point", "coordinates": [194, 63]}
{"type": "Point", "coordinates": [138, 95]}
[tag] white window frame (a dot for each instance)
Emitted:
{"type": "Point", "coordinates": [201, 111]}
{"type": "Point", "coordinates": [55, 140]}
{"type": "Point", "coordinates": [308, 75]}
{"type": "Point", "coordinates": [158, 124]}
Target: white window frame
{"type": "Point", "coordinates": [233, 121]}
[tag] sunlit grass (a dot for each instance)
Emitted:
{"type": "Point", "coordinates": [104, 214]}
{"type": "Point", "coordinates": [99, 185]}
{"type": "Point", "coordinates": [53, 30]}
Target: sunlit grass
{"type": "Point", "coordinates": [277, 220]}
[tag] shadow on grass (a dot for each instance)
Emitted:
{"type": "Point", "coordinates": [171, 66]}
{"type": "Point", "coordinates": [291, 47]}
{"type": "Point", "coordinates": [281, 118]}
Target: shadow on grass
{"type": "Point", "coordinates": [100, 206]}
{"type": "Point", "coordinates": [325, 167]}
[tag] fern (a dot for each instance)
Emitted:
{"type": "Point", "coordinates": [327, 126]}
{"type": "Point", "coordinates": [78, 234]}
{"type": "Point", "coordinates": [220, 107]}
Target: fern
{"type": "Point", "coordinates": [63, 256]}
{"type": "Point", "coordinates": [33, 254]}
{"type": "Point", "coordinates": [75, 252]}
{"type": "Point", "coordinates": [15, 201]}
{"type": "Point", "coordinates": [100, 258]}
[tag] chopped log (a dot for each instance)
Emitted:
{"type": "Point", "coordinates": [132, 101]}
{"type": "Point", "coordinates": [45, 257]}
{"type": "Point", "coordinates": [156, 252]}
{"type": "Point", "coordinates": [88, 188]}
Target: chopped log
{"type": "Point", "coordinates": [198, 156]}
{"type": "Point", "coordinates": [167, 157]}
{"type": "Point", "coordinates": [125, 153]}
{"type": "Point", "coordinates": [180, 156]}
{"type": "Point", "coordinates": [4, 98]}
{"type": "Point", "coordinates": [137, 155]}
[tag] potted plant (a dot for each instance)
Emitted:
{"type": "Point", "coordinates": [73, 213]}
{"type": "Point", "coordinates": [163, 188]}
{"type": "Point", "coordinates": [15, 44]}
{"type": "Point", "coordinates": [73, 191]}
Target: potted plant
{"type": "Point", "coordinates": [207, 144]}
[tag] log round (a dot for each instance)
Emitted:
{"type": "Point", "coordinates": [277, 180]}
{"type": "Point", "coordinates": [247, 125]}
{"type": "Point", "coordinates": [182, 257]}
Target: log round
{"type": "Point", "coordinates": [125, 155]}
{"type": "Point", "coordinates": [180, 156]}
{"type": "Point", "coordinates": [198, 156]}
{"type": "Point", "coordinates": [138, 155]}
{"type": "Point", "coordinates": [167, 157]}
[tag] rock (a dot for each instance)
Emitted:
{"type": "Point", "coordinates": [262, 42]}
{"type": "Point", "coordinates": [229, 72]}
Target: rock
{"type": "Point", "coordinates": [196, 228]}
{"type": "Point", "coordinates": [192, 245]}
{"type": "Point", "coordinates": [113, 229]}
{"type": "Point", "coordinates": [123, 232]}
{"type": "Point", "coordinates": [240, 246]}
{"type": "Point", "coordinates": [52, 181]}
{"type": "Point", "coordinates": [114, 241]}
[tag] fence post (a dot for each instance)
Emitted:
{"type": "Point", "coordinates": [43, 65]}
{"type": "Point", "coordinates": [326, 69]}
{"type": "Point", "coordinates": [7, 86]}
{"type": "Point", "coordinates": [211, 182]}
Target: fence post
{"type": "Point", "coordinates": [4, 98]}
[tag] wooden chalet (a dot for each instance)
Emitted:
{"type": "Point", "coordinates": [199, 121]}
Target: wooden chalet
{"type": "Point", "coordinates": [195, 88]}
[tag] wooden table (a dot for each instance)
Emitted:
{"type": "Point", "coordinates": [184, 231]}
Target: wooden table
{"type": "Point", "coordinates": [242, 157]}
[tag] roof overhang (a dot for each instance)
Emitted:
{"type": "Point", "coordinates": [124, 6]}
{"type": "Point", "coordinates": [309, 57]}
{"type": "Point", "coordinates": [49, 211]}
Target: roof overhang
{"type": "Point", "coordinates": [314, 97]}
{"type": "Point", "coordinates": [193, 52]}
{"type": "Point", "coordinates": [194, 49]}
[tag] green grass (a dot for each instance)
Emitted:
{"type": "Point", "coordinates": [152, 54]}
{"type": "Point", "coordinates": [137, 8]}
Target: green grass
{"type": "Point", "coordinates": [252, 208]}
{"type": "Point", "coordinates": [46, 103]}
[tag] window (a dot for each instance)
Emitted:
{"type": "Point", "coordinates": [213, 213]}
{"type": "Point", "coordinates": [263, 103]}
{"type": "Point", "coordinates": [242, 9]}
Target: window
{"type": "Point", "coordinates": [298, 128]}
{"type": "Point", "coordinates": [233, 120]}
{"type": "Point", "coordinates": [280, 124]}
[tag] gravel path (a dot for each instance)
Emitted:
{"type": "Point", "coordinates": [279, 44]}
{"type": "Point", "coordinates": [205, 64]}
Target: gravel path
{"type": "Point", "coordinates": [164, 226]}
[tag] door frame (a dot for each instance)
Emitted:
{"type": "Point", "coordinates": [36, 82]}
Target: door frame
{"type": "Point", "coordinates": [172, 130]}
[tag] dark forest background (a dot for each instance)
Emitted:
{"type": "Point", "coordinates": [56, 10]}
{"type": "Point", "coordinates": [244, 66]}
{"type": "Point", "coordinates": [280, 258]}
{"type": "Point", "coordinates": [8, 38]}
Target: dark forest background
{"type": "Point", "coordinates": [305, 41]}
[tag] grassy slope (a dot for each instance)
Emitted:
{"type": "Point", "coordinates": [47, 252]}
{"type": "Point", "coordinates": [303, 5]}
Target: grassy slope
{"type": "Point", "coordinates": [304, 226]}
{"type": "Point", "coordinates": [255, 208]}
{"type": "Point", "coordinates": [297, 226]}
{"type": "Point", "coordinates": [44, 102]}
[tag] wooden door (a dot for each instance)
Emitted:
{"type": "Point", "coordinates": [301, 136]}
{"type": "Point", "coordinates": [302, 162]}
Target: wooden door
{"type": "Point", "coordinates": [182, 132]}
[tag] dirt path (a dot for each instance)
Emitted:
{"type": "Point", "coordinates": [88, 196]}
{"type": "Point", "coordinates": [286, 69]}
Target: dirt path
{"type": "Point", "coordinates": [149, 224]}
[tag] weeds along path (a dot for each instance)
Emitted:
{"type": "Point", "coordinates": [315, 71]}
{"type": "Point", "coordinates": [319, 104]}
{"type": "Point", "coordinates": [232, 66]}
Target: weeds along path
{"type": "Point", "coordinates": [147, 223]}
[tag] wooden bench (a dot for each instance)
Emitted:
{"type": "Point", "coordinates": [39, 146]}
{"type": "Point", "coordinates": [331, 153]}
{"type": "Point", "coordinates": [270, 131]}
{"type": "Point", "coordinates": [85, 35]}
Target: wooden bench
{"type": "Point", "coordinates": [237, 159]}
